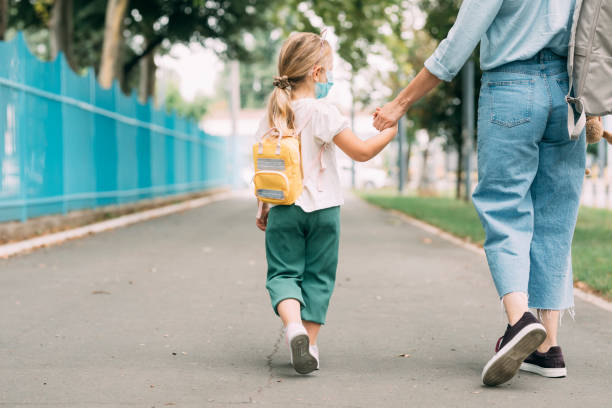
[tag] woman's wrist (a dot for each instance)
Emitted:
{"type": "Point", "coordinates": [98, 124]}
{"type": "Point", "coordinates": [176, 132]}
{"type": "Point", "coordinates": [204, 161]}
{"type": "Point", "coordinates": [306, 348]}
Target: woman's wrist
{"type": "Point", "coordinates": [403, 103]}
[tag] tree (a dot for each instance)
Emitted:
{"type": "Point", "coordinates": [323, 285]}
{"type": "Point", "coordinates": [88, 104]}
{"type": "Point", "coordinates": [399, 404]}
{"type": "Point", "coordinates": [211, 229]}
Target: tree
{"type": "Point", "coordinates": [113, 42]}
{"type": "Point", "coordinates": [4, 10]}
{"type": "Point", "coordinates": [161, 23]}
{"type": "Point", "coordinates": [256, 76]}
{"type": "Point", "coordinates": [61, 27]}
{"type": "Point", "coordinates": [174, 102]}
{"type": "Point", "coordinates": [146, 86]}
{"type": "Point", "coordinates": [441, 15]}
{"type": "Point", "coordinates": [347, 17]}
{"type": "Point", "coordinates": [89, 33]}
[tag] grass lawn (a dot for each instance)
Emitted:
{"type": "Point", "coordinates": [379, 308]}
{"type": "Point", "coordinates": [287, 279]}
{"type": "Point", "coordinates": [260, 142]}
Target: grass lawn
{"type": "Point", "coordinates": [592, 248]}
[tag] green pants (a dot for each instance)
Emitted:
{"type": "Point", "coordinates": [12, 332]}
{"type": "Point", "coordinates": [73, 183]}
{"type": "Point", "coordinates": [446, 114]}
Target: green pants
{"type": "Point", "coordinates": [302, 254]}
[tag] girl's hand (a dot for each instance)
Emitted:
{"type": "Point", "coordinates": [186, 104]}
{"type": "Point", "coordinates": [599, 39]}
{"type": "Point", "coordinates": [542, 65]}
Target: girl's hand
{"type": "Point", "coordinates": [387, 116]}
{"type": "Point", "coordinates": [363, 150]}
{"type": "Point", "coordinates": [262, 222]}
{"type": "Point", "coordinates": [391, 131]}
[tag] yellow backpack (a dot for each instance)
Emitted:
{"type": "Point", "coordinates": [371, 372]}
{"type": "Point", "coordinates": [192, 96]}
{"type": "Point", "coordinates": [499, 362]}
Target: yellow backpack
{"type": "Point", "coordinates": [278, 168]}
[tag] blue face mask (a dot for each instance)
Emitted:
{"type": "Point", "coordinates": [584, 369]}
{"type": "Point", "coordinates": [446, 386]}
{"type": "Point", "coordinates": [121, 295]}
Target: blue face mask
{"type": "Point", "coordinates": [322, 88]}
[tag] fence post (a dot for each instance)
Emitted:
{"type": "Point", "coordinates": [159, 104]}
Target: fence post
{"type": "Point", "coordinates": [21, 121]}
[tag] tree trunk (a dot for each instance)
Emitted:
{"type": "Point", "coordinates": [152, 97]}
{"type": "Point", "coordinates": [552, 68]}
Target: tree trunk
{"type": "Point", "coordinates": [408, 153]}
{"type": "Point", "coordinates": [459, 173]}
{"type": "Point", "coordinates": [150, 48]}
{"type": "Point", "coordinates": [146, 86]}
{"type": "Point", "coordinates": [424, 181]}
{"type": "Point", "coordinates": [61, 27]}
{"type": "Point", "coordinates": [113, 42]}
{"type": "Point", "coordinates": [4, 10]}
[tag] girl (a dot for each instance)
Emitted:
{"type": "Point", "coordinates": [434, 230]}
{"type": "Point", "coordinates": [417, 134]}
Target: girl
{"type": "Point", "coordinates": [302, 239]}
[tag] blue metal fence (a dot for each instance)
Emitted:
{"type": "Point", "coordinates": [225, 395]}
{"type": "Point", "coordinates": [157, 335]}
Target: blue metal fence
{"type": "Point", "coordinates": [68, 144]}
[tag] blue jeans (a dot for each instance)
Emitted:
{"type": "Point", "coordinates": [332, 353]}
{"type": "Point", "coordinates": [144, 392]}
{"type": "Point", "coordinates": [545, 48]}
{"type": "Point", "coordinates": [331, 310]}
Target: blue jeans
{"type": "Point", "coordinates": [530, 179]}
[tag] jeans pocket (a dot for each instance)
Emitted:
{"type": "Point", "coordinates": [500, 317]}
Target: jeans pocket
{"type": "Point", "coordinates": [511, 101]}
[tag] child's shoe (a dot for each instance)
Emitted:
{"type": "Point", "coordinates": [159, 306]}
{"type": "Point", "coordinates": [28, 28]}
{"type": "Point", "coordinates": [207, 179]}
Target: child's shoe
{"type": "Point", "coordinates": [314, 351]}
{"type": "Point", "coordinates": [303, 362]}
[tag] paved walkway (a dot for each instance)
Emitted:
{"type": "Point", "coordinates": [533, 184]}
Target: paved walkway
{"type": "Point", "coordinates": [173, 312]}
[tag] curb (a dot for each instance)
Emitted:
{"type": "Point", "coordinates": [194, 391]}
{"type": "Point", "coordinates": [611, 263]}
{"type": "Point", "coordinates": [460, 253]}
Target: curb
{"type": "Point", "coordinates": [581, 294]}
{"type": "Point", "coordinates": [28, 245]}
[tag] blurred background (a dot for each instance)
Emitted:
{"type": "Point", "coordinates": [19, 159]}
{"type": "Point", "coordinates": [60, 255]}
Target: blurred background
{"type": "Point", "coordinates": [106, 102]}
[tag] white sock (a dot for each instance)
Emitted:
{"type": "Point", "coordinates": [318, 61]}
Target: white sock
{"type": "Point", "coordinates": [294, 329]}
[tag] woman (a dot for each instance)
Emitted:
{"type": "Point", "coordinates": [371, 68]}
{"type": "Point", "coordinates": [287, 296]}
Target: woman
{"type": "Point", "coordinates": [530, 172]}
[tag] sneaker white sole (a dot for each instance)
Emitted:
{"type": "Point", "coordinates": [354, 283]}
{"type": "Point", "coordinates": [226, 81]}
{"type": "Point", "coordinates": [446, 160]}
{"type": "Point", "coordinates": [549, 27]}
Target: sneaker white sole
{"type": "Point", "coordinates": [544, 372]}
{"type": "Point", "coordinates": [505, 364]}
{"type": "Point", "coordinates": [303, 361]}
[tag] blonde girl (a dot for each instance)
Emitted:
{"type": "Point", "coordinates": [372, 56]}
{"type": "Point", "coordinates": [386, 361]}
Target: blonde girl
{"type": "Point", "coordinates": [302, 239]}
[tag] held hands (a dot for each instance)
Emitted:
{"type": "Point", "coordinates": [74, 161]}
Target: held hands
{"type": "Point", "coordinates": [391, 131]}
{"type": "Point", "coordinates": [262, 222]}
{"type": "Point", "coordinates": [387, 116]}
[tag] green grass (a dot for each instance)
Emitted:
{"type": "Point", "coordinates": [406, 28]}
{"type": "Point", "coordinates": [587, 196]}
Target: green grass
{"type": "Point", "coordinates": [592, 247]}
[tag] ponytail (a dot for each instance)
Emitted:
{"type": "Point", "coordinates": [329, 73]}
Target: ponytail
{"type": "Point", "coordinates": [280, 112]}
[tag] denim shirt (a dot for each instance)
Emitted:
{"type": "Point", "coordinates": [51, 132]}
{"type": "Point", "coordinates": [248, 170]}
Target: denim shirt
{"type": "Point", "coordinates": [508, 30]}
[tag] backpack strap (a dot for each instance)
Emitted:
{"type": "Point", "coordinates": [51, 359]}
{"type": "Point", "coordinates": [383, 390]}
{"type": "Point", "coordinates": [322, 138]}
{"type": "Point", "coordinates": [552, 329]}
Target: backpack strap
{"type": "Point", "coordinates": [270, 132]}
{"type": "Point", "coordinates": [574, 128]}
{"type": "Point", "coordinates": [298, 132]}
{"type": "Point", "coordinates": [321, 167]}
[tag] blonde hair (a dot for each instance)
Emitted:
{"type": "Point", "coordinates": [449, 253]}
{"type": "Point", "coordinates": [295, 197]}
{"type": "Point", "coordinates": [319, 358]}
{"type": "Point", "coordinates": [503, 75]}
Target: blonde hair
{"type": "Point", "coordinates": [299, 54]}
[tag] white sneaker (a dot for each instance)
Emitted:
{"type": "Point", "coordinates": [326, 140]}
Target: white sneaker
{"type": "Point", "coordinates": [301, 358]}
{"type": "Point", "coordinates": [314, 351]}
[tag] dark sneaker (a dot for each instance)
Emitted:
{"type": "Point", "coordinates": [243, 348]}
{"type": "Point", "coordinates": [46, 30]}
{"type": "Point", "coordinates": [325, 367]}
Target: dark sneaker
{"type": "Point", "coordinates": [518, 342]}
{"type": "Point", "coordinates": [549, 364]}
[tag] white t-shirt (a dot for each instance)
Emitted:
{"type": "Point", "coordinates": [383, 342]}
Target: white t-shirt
{"type": "Point", "coordinates": [321, 189]}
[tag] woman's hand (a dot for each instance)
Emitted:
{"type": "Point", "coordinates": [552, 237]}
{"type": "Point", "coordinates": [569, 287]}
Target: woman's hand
{"type": "Point", "coordinates": [262, 222]}
{"type": "Point", "coordinates": [387, 116]}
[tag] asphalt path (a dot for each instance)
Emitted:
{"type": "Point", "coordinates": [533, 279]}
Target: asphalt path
{"type": "Point", "coordinates": [174, 312]}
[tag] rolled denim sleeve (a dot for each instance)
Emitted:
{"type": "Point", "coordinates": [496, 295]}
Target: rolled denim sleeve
{"type": "Point", "coordinates": [473, 21]}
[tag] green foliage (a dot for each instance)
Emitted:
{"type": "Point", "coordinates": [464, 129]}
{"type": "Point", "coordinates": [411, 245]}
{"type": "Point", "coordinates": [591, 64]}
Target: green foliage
{"type": "Point", "coordinates": [355, 22]}
{"type": "Point", "coordinates": [195, 109]}
{"type": "Point", "coordinates": [150, 25]}
{"type": "Point", "coordinates": [163, 22]}
{"type": "Point", "coordinates": [257, 75]}
{"type": "Point", "coordinates": [441, 15]}
{"type": "Point", "coordinates": [441, 112]}
{"type": "Point", "coordinates": [29, 15]}
{"type": "Point", "coordinates": [355, 41]}
{"type": "Point", "coordinates": [592, 259]}
{"type": "Point", "coordinates": [455, 216]}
